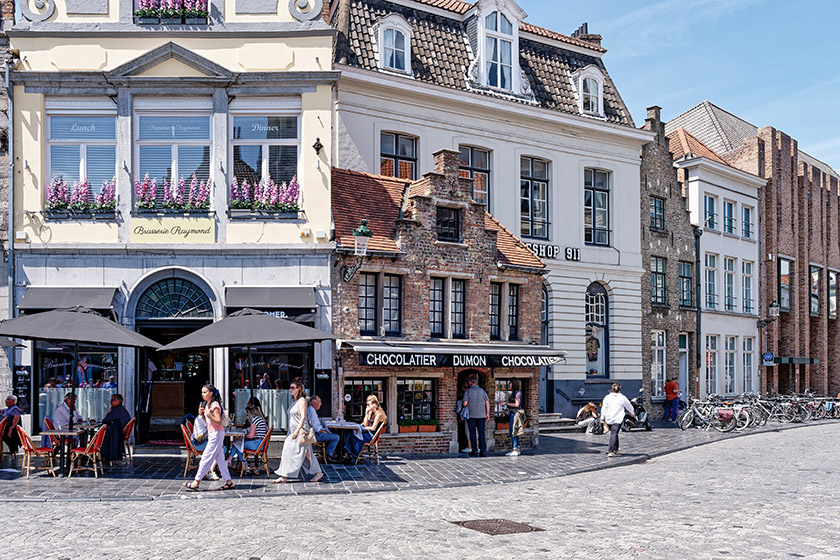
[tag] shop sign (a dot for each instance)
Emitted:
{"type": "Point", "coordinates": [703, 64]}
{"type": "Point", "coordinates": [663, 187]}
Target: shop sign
{"type": "Point", "coordinates": [173, 230]}
{"type": "Point", "coordinates": [396, 359]}
{"type": "Point", "coordinates": [553, 251]}
{"type": "Point", "coordinates": [23, 387]}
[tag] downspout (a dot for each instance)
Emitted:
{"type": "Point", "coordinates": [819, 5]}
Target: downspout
{"type": "Point", "coordinates": [697, 233]}
{"type": "Point", "coordinates": [10, 136]}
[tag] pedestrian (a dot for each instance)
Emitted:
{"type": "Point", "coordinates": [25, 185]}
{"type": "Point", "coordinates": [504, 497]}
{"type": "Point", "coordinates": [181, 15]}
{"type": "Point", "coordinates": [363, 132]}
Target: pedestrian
{"type": "Point", "coordinates": [478, 404]}
{"type": "Point", "coordinates": [587, 418]}
{"type": "Point", "coordinates": [463, 435]}
{"type": "Point", "coordinates": [613, 410]}
{"type": "Point", "coordinates": [297, 458]}
{"type": "Point", "coordinates": [672, 400]}
{"type": "Point", "coordinates": [514, 406]}
{"type": "Point", "coordinates": [215, 451]}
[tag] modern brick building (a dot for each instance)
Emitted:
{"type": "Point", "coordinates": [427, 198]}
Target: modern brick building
{"type": "Point", "coordinates": [799, 251]}
{"type": "Point", "coordinates": [669, 304]}
{"type": "Point", "coordinates": [443, 291]}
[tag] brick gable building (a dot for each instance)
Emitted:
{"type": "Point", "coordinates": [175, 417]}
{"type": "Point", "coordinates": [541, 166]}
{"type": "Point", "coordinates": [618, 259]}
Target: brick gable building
{"type": "Point", "coordinates": [444, 291]}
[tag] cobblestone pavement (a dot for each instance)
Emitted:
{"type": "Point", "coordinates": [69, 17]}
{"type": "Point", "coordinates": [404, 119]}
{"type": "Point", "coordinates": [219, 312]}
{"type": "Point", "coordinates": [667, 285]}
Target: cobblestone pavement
{"type": "Point", "coordinates": [771, 495]}
{"type": "Point", "coordinates": [159, 477]}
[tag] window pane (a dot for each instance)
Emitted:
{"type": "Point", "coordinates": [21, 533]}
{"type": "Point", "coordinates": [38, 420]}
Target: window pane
{"type": "Point", "coordinates": [492, 49]}
{"type": "Point", "coordinates": [490, 22]}
{"type": "Point", "coordinates": [386, 142]}
{"type": "Point", "coordinates": [265, 128]}
{"type": "Point", "coordinates": [282, 162]}
{"type": "Point", "coordinates": [398, 61]}
{"type": "Point", "coordinates": [505, 52]}
{"type": "Point", "coordinates": [101, 165]}
{"type": "Point", "coordinates": [464, 159]}
{"type": "Point", "coordinates": [406, 146]}
{"type": "Point", "coordinates": [64, 163]}
{"type": "Point", "coordinates": [156, 161]}
{"type": "Point", "coordinates": [247, 163]}
{"type": "Point", "coordinates": [175, 128]}
{"type": "Point", "coordinates": [83, 128]}
{"type": "Point", "coordinates": [505, 26]}
{"type": "Point", "coordinates": [399, 41]}
{"type": "Point", "coordinates": [481, 159]}
{"type": "Point", "coordinates": [540, 169]}
{"type": "Point", "coordinates": [386, 167]}
{"type": "Point", "coordinates": [506, 80]}
{"type": "Point", "coordinates": [388, 38]}
{"type": "Point", "coordinates": [194, 160]}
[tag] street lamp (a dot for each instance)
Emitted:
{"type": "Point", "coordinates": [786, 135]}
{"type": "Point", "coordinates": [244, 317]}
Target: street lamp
{"type": "Point", "coordinates": [773, 314]}
{"type": "Point", "coordinates": [361, 238]}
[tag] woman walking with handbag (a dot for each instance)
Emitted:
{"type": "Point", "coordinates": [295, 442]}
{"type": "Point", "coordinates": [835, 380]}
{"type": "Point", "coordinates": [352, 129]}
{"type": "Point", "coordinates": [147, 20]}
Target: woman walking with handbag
{"type": "Point", "coordinates": [215, 451]}
{"type": "Point", "coordinates": [298, 458]}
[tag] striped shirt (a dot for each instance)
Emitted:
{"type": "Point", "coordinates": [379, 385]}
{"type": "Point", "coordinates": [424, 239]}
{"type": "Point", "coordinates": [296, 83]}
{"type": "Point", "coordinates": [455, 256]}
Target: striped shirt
{"type": "Point", "coordinates": [261, 429]}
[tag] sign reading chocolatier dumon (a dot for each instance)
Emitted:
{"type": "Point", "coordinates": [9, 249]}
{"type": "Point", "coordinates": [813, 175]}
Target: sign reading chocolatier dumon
{"type": "Point", "coordinates": [395, 359]}
{"type": "Point", "coordinates": [173, 230]}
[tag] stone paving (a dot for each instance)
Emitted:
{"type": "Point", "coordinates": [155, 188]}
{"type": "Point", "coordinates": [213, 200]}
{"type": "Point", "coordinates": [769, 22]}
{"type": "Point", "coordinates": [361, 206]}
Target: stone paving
{"type": "Point", "coordinates": [160, 477]}
{"type": "Point", "coordinates": [767, 496]}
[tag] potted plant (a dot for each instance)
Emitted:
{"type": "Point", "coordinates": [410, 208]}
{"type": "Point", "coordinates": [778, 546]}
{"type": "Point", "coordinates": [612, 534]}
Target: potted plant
{"type": "Point", "coordinates": [407, 426]}
{"type": "Point", "coordinates": [147, 12]}
{"type": "Point", "coordinates": [427, 426]}
{"type": "Point", "coordinates": [145, 193]}
{"type": "Point", "coordinates": [80, 198]}
{"type": "Point", "coordinates": [264, 199]}
{"type": "Point", "coordinates": [106, 201]}
{"type": "Point", "coordinates": [195, 12]}
{"type": "Point", "coordinates": [502, 422]}
{"type": "Point", "coordinates": [171, 12]}
{"type": "Point", "coordinates": [57, 199]}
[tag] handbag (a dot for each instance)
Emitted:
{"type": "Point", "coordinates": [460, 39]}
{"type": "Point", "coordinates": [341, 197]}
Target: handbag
{"type": "Point", "coordinates": [307, 438]}
{"type": "Point", "coordinates": [463, 411]}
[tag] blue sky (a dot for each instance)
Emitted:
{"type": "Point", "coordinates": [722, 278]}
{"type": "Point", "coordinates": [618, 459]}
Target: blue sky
{"type": "Point", "coordinates": [771, 62]}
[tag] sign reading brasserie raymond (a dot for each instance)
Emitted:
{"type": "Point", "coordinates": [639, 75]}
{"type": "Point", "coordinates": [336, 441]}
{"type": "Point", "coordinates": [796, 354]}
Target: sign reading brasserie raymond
{"type": "Point", "coordinates": [173, 230]}
{"type": "Point", "coordinates": [396, 359]}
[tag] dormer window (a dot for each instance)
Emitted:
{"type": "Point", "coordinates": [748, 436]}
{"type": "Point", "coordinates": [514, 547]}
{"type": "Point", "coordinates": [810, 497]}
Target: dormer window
{"type": "Point", "coordinates": [499, 44]}
{"type": "Point", "coordinates": [588, 83]}
{"type": "Point", "coordinates": [392, 39]}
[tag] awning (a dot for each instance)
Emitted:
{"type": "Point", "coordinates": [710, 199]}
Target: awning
{"type": "Point", "coordinates": [447, 354]}
{"type": "Point", "coordinates": [271, 297]}
{"type": "Point", "coordinates": [41, 297]}
{"type": "Point", "coordinates": [795, 360]}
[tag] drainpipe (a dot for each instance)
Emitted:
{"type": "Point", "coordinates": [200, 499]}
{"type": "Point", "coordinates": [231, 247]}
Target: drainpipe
{"type": "Point", "coordinates": [697, 233]}
{"type": "Point", "coordinates": [10, 147]}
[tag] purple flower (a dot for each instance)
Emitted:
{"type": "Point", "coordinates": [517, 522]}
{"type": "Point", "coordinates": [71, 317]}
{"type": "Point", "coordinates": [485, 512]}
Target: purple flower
{"type": "Point", "coordinates": [203, 198]}
{"type": "Point", "coordinates": [56, 195]}
{"type": "Point", "coordinates": [191, 200]}
{"type": "Point", "coordinates": [106, 199]}
{"type": "Point", "coordinates": [246, 192]}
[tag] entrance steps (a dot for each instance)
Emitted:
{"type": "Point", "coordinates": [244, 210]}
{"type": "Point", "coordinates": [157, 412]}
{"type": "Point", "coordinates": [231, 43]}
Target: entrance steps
{"type": "Point", "coordinates": [555, 423]}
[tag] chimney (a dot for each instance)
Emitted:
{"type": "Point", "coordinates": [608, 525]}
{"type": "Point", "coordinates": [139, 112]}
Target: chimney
{"type": "Point", "coordinates": [591, 38]}
{"type": "Point", "coordinates": [653, 121]}
{"type": "Point", "coordinates": [654, 113]}
{"type": "Point", "coordinates": [446, 163]}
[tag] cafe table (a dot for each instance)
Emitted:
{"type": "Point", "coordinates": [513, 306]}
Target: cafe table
{"type": "Point", "coordinates": [343, 428]}
{"type": "Point", "coordinates": [62, 445]}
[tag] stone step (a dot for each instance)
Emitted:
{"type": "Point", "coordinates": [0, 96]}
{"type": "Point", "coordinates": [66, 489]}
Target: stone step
{"type": "Point", "coordinates": [556, 423]}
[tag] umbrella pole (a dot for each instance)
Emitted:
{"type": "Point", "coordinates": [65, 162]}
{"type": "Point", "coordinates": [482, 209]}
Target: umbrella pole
{"type": "Point", "coordinates": [251, 370]}
{"type": "Point", "coordinates": [73, 398]}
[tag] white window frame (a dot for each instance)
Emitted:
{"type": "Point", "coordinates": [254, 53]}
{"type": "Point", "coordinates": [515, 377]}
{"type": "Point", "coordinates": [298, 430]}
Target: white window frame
{"type": "Point", "coordinates": [484, 10]}
{"type": "Point", "coordinates": [398, 23]}
{"type": "Point", "coordinates": [730, 297]}
{"type": "Point", "coordinates": [590, 72]}
{"type": "Point", "coordinates": [748, 372]}
{"type": "Point", "coordinates": [747, 224]}
{"type": "Point", "coordinates": [262, 108]}
{"type": "Point", "coordinates": [710, 218]}
{"type": "Point", "coordinates": [747, 302]}
{"type": "Point", "coordinates": [711, 377]}
{"type": "Point", "coordinates": [730, 375]}
{"type": "Point", "coordinates": [60, 107]}
{"type": "Point", "coordinates": [732, 227]}
{"type": "Point", "coordinates": [710, 285]}
{"type": "Point", "coordinates": [471, 170]}
{"type": "Point", "coordinates": [658, 361]}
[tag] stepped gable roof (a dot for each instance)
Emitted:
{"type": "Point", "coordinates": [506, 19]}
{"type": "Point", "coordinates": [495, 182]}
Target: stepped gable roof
{"type": "Point", "coordinates": [441, 56]}
{"type": "Point", "coordinates": [378, 199]}
{"type": "Point", "coordinates": [681, 143]}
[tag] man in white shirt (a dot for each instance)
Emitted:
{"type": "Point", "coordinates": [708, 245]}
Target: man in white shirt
{"type": "Point", "coordinates": [61, 416]}
{"type": "Point", "coordinates": [613, 409]}
{"type": "Point", "coordinates": [321, 433]}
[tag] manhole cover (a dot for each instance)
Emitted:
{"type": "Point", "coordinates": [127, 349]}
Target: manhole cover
{"type": "Point", "coordinates": [497, 526]}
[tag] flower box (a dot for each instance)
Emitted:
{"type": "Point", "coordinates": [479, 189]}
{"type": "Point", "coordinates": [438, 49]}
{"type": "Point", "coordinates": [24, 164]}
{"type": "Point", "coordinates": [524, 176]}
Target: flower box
{"type": "Point", "coordinates": [503, 426]}
{"type": "Point", "coordinates": [195, 21]}
{"type": "Point", "coordinates": [426, 428]}
{"type": "Point", "coordinates": [408, 429]}
{"type": "Point", "coordinates": [170, 21]}
{"type": "Point", "coordinates": [248, 214]}
{"type": "Point", "coordinates": [173, 211]}
{"type": "Point", "coordinates": [67, 214]}
{"type": "Point", "coordinates": [145, 20]}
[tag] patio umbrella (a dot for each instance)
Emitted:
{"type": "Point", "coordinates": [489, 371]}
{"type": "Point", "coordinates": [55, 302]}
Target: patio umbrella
{"type": "Point", "coordinates": [75, 324]}
{"type": "Point", "coordinates": [7, 343]}
{"type": "Point", "coordinates": [246, 328]}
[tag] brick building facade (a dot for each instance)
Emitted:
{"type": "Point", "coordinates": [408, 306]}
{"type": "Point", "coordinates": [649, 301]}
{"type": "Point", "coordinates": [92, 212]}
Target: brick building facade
{"type": "Point", "coordinates": [800, 256]}
{"type": "Point", "coordinates": [444, 291]}
{"type": "Point", "coordinates": [669, 316]}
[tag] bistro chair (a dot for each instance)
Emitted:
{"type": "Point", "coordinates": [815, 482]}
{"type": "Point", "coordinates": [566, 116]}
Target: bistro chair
{"type": "Point", "coordinates": [54, 440]}
{"type": "Point", "coordinates": [192, 453]}
{"type": "Point", "coordinates": [3, 425]}
{"type": "Point", "coordinates": [93, 453]}
{"type": "Point", "coordinates": [321, 447]}
{"type": "Point", "coordinates": [260, 453]}
{"type": "Point", "coordinates": [190, 428]}
{"type": "Point", "coordinates": [29, 449]}
{"type": "Point", "coordinates": [127, 431]}
{"type": "Point", "coordinates": [371, 448]}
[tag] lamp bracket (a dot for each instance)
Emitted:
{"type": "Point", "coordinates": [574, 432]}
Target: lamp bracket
{"type": "Point", "coordinates": [347, 272]}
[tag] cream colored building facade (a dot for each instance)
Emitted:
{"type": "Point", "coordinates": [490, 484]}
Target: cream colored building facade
{"type": "Point", "coordinates": [245, 93]}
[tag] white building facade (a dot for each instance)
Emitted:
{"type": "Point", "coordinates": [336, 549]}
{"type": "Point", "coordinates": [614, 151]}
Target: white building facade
{"type": "Point", "coordinates": [551, 148]}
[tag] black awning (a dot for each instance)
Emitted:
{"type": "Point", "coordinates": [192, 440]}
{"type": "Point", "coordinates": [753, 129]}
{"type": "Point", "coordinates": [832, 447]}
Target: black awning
{"type": "Point", "coordinates": [271, 297]}
{"type": "Point", "coordinates": [795, 360]}
{"type": "Point", "coordinates": [41, 298]}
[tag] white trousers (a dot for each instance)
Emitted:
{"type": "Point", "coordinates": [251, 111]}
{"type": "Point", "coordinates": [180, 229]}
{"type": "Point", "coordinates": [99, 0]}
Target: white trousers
{"type": "Point", "coordinates": [215, 451]}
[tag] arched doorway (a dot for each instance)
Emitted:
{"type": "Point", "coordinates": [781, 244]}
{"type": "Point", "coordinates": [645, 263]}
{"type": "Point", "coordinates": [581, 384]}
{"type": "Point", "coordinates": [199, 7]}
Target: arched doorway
{"type": "Point", "coordinates": [463, 376]}
{"type": "Point", "coordinates": [170, 382]}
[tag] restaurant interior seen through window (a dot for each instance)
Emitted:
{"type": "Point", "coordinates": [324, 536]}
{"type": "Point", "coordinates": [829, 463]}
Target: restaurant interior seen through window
{"type": "Point", "coordinates": [416, 399]}
{"type": "Point", "coordinates": [503, 390]}
{"type": "Point", "coordinates": [356, 392]}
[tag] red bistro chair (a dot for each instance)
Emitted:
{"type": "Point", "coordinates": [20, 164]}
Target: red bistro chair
{"type": "Point", "coordinates": [93, 453]}
{"type": "Point", "coordinates": [29, 450]}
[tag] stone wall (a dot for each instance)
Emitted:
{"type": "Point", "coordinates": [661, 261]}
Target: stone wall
{"type": "Point", "coordinates": [674, 243]}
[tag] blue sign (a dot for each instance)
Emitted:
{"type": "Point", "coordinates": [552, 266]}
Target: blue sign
{"type": "Point", "coordinates": [767, 359]}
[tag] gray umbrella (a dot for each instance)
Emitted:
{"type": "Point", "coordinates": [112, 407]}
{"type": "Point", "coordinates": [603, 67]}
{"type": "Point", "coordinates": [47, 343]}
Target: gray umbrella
{"type": "Point", "coordinates": [7, 343]}
{"type": "Point", "coordinates": [246, 328]}
{"type": "Point", "coordinates": [76, 324]}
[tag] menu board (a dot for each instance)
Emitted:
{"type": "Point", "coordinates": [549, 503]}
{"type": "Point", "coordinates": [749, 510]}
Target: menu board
{"type": "Point", "coordinates": [23, 387]}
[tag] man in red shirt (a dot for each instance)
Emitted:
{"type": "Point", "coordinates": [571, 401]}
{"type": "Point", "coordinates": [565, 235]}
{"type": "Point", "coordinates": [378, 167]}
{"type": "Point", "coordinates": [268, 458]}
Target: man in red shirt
{"type": "Point", "coordinates": [672, 402]}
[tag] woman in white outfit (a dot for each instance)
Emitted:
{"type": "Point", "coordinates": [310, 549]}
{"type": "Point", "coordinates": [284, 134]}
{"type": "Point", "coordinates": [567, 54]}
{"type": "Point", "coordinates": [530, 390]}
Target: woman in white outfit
{"type": "Point", "coordinates": [298, 458]}
{"type": "Point", "coordinates": [215, 450]}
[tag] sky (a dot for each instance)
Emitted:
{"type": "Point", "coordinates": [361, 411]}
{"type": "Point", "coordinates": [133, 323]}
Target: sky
{"type": "Point", "coordinates": [771, 62]}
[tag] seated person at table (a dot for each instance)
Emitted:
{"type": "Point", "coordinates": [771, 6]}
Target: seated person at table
{"type": "Point", "coordinates": [61, 416]}
{"type": "Point", "coordinates": [321, 433]}
{"type": "Point", "coordinates": [110, 384]}
{"type": "Point", "coordinates": [12, 416]}
{"type": "Point", "coordinates": [116, 420]}
{"type": "Point", "coordinates": [256, 432]}
{"type": "Point", "coordinates": [374, 417]}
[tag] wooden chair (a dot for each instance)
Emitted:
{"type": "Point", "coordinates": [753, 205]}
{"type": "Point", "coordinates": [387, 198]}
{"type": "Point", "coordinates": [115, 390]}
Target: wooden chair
{"type": "Point", "coordinates": [3, 424]}
{"type": "Point", "coordinates": [321, 447]}
{"type": "Point", "coordinates": [93, 453]}
{"type": "Point", "coordinates": [54, 440]}
{"type": "Point", "coordinates": [127, 431]}
{"type": "Point", "coordinates": [192, 453]}
{"type": "Point", "coordinates": [371, 448]}
{"type": "Point", "coordinates": [260, 452]}
{"type": "Point", "coordinates": [190, 427]}
{"type": "Point", "coordinates": [29, 450]}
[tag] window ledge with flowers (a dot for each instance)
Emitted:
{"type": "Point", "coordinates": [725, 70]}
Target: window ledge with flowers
{"type": "Point", "coordinates": [171, 12]}
{"type": "Point", "coordinates": [264, 200]}
{"type": "Point", "coordinates": [77, 202]}
{"type": "Point", "coordinates": [176, 198]}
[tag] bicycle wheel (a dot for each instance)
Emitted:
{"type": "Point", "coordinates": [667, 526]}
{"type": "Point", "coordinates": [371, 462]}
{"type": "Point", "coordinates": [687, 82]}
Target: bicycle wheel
{"type": "Point", "coordinates": [723, 426]}
{"type": "Point", "coordinates": [742, 420]}
{"type": "Point", "coordinates": [685, 419]}
{"type": "Point", "coordinates": [788, 414]}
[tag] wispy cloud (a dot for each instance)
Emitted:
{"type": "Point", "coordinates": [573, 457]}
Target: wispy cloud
{"type": "Point", "coordinates": [648, 29]}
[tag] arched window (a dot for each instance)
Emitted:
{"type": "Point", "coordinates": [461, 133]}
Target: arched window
{"type": "Point", "coordinates": [498, 54]}
{"type": "Point", "coordinates": [597, 330]}
{"type": "Point", "coordinates": [173, 298]}
{"type": "Point", "coordinates": [589, 89]}
{"type": "Point", "coordinates": [392, 38]}
{"type": "Point", "coordinates": [591, 95]}
{"type": "Point", "coordinates": [393, 49]}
